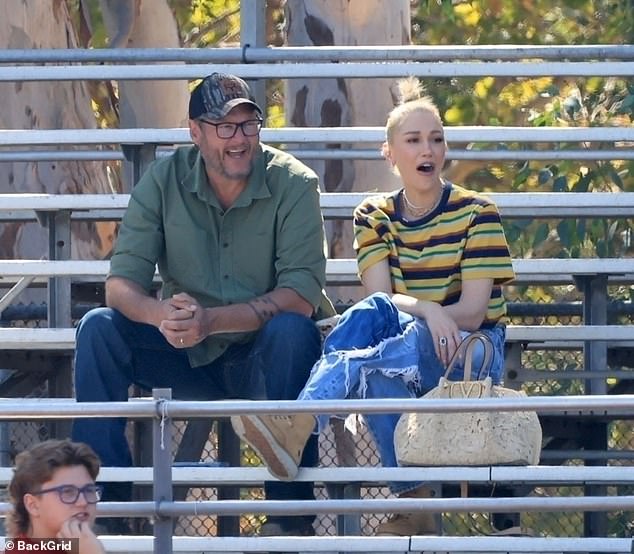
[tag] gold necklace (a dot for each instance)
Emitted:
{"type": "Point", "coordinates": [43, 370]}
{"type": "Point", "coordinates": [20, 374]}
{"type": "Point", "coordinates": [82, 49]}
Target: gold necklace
{"type": "Point", "coordinates": [420, 211]}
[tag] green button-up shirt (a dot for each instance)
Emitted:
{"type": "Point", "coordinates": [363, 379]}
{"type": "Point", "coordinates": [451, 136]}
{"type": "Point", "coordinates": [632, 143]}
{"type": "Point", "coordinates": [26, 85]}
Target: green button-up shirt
{"type": "Point", "coordinates": [272, 237]}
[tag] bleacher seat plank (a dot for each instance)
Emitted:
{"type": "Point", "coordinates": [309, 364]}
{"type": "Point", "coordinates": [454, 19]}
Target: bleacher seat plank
{"type": "Point", "coordinates": [344, 271]}
{"type": "Point", "coordinates": [307, 135]}
{"type": "Point", "coordinates": [254, 476]}
{"type": "Point", "coordinates": [20, 338]}
{"type": "Point", "coordinates": [422, 545]}
{"type": "Point", "coordinates": [331, 544]}
{"type": "Point", "coordinates": [340, 205]}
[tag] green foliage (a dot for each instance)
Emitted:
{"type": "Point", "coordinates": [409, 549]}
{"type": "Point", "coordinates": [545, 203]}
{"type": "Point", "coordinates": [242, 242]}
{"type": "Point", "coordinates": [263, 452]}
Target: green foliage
{"type": "Point", "coordinates": [537, 102]}
{"type": "Point", "coordinates": [205, 23]}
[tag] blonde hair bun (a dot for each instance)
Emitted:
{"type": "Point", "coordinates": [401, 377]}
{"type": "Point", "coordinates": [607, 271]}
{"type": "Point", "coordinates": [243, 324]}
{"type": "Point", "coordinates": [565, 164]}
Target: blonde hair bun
{"type": "Point", "coordinates": [410, 89]}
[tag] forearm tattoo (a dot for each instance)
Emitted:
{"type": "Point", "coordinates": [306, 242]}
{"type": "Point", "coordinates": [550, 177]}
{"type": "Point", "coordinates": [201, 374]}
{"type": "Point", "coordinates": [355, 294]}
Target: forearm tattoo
{"type": "Point", "coordinates": [264, 307]}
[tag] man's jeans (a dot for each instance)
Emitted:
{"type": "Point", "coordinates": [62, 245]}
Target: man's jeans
{"type": "Point", "coordinates": [113, 353]}
{"type": "Point", "coordinates": [378, 351]}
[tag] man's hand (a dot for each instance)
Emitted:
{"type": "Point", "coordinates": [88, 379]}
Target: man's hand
{"type": "Point", "coordinates": [75, 528]}
{"type": "Point", "coordinates": [184, 321]}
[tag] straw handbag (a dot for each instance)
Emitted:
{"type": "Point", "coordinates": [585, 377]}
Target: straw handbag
{"type": "Point", "coordinates": [471, 438]}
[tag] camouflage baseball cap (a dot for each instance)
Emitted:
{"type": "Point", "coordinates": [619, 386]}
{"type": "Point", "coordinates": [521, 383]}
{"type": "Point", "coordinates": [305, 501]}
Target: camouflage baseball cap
{"type": "Point", "coordinates": [217, 94]}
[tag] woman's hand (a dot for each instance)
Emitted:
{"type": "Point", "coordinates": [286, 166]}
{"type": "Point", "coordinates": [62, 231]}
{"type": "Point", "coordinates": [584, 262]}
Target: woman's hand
{"type": "Point", "coordinates": [444, 331]}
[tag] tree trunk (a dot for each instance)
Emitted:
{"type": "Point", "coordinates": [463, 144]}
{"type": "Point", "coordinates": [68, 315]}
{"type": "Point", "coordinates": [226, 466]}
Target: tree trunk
{"type": "Point", "coordinates": [345, 102]}
{"type": "Point", "coordinates": [26, 24]}
{"type": "Point", "coordinates": [146, 24]}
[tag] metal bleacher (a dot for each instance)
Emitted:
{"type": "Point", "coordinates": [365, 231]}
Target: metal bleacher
{"type": "Point", "coordinates": [25, 350]}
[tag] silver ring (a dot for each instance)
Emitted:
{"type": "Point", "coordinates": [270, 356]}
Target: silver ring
{"type": "Point", "coordinates": [442, 341]}
{"type": "Point", "coordinates": [182, 341]}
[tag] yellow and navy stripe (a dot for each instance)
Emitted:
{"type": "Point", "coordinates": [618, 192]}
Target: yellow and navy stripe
{"type": "Point", "coordinates": [461, 239]}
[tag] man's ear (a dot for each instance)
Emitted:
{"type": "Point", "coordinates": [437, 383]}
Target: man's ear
{"type": "Point", "coordinates": [32, 504]}
{"type": "Point", "coordinates": [194, 131]}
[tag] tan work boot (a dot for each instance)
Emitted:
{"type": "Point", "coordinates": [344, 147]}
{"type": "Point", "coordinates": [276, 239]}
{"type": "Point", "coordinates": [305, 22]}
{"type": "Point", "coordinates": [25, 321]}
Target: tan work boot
{"type": "Point", "coordinates": [416, 523]}
{"type": "Point", "coordinates": [279, 440]}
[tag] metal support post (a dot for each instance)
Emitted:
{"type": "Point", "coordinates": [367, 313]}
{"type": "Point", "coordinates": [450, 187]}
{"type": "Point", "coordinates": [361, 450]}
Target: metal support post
{"type": "Point", "coordinates": [253, 34]}
{"type": "Point", "coordinates": [138, 158]}
{"type": "Point", "coordinates": [59, 309]}
{"type": "Point", "coordinates": [162, 471]}
{"type": "Point", "coordinates": [229, 453]}
{"type": "Point", "coordinates": [58, 224]}
{"type": "Point", "coordinates": [595, 359]}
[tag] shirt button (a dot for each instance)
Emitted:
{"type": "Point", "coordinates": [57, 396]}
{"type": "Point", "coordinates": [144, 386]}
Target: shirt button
{"type": "Point", "coordinates": [225, 244]}
{"type": "Point", "coordinates": [225, 276]}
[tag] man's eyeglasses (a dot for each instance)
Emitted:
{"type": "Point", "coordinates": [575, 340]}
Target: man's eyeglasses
{"type": "Point", "coordinates": [250, 128]}
{"type": "Point", "coordinates": [69, 494]}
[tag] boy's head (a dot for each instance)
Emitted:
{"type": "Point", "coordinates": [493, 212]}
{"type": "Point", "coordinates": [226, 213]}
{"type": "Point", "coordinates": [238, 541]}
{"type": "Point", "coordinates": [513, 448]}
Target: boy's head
{"type": "Point", "coordinates": [60, 465]}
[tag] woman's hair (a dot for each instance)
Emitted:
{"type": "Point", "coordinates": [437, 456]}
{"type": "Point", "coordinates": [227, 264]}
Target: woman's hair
{"type": "Point", "coordinates": [410, 98]}
{"type": "Point", "coordinates": [36, 466]}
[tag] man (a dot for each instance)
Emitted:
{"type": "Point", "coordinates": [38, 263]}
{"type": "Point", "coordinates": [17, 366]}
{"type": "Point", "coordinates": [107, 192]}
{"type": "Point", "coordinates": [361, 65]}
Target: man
{"type": "Point", "coordinates": [236, 230]}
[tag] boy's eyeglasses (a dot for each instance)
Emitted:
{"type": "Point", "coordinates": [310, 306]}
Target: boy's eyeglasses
{"type": "Point", "coordinates": [226, 130]}
{"type": "Point", "coordinates": [69, 494]}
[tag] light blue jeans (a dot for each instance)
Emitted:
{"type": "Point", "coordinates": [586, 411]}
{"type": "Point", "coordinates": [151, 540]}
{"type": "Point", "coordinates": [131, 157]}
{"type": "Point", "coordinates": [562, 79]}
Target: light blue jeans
{"type": "Point", "coordinates": [378, 351]}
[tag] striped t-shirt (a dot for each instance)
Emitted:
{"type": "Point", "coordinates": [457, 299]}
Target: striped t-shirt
{"type": "Point", "coordinates": [462, 238]}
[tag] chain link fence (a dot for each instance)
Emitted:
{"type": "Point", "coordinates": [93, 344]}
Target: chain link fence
{"type": "Point", "coordinates": [553, 373]}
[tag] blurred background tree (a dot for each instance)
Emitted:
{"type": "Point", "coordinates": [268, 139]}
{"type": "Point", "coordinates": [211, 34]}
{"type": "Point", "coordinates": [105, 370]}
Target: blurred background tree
{"type": "Point", "coordinates": [544, 101]}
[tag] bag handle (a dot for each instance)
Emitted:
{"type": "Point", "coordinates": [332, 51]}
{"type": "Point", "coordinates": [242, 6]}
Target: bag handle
{"type": "Point", "coordinates": [466, 347]}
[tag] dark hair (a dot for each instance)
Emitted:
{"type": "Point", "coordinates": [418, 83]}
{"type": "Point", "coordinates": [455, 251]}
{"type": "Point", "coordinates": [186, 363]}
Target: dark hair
{"type": "Point", "coordinates": [36, 466]}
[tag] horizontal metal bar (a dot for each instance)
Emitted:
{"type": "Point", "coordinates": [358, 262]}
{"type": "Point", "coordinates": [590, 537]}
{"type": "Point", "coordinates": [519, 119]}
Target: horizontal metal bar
{"type": "Point", "coordinates": [542, 375]}
{"type": "Point", "coordinates": [306, 135]}
{"type": "Point", "coordinates": [61, 156]}
{"type": "Point", "coordinates": [363, 506]}
{"type": "Point", "coordinates": [340, 205]}
{"type": "Point", "coordinates": [351, 70]}
{"type": "Point", "coordinates": [56, 408]}
{"type": "Point", "coordinates": [341, 154]}
{"type": "Point", "coordinates": [587, 455]}
{"type": "Point", "coordinates": [524, 545]}
{"type": "Point", "coordinates": [179, 409]}
{"type": "Point", "coordinates": [427, 544]}
{"type": "Point", "coordinates": [200, 474]}
{"type": "Point", "coordinates": [398, 505]}
{"type": "Point", "coordinates": [345, 267]}
{"type": "Point", "coordinates": [597, 404]}
{"type": "Point", "coordinates": [320, 53]}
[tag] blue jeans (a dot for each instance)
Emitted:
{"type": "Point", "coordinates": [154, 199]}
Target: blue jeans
{"type": "Point", "coordinates": [378, 351]}
{"type": "Point", "coordinates": [114, 352]}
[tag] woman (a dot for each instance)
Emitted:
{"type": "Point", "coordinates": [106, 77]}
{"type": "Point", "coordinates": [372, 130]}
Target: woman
{"type": "Point", "coordinates": [54, 495]}
{"type": "Point", "coordinates": [432, 257]}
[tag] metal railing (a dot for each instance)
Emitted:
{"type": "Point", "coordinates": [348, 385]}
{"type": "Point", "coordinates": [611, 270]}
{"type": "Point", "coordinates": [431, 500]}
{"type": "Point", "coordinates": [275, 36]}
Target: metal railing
{"type": "Point", "coordinates": [162, 410]}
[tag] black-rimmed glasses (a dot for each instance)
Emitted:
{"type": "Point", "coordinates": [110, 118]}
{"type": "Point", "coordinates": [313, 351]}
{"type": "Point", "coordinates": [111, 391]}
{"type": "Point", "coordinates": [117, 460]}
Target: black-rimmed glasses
{"type": "Point", "coordinates": [69, 494]}
{"type": "Point", "coordinates": [226, 130]}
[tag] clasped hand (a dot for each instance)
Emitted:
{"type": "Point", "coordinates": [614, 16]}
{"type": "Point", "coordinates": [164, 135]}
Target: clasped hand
{"type": "Point", "coordinates": [182, 323]}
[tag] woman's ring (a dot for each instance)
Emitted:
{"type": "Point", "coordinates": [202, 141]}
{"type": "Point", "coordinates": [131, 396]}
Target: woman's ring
{"type": "Point", "coordinates": [442, 341]}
